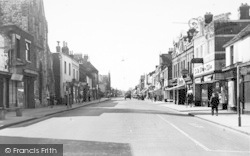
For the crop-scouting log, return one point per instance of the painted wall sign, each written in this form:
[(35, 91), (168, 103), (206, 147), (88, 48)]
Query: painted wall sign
[(202, 69), (208, 78)]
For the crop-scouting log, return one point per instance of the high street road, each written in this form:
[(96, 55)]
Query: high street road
[(129, 127)]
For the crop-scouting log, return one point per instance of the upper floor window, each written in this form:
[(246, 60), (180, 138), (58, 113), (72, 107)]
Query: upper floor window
[(18, 52), (232, 54), (77, 75), (197, 53), (201, 52), (69, 69), (74, 77), (65, 67), (27, 50)]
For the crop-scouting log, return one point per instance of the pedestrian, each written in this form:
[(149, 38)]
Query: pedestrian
[(190, 98), (155, 97), (214, 101)]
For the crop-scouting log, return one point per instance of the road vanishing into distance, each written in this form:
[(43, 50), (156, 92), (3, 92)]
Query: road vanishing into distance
[(129, 128)]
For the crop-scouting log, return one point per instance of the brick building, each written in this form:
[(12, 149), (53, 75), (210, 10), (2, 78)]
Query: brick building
[(29, 17)]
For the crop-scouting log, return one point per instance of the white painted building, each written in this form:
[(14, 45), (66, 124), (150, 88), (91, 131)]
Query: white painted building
[(238, 53), (66, 71)]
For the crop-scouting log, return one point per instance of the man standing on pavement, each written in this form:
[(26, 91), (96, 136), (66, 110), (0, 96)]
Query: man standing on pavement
[(214, 101)]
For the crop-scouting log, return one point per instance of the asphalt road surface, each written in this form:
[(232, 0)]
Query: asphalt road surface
[(129, 127)]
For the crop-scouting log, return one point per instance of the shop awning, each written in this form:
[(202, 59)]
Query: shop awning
[(17, 77), (177, 87)]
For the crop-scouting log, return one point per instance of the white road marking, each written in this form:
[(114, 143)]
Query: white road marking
[(188, 136)]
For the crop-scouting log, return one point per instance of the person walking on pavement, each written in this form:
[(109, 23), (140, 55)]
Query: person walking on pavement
[(214, 101), (190, 98)]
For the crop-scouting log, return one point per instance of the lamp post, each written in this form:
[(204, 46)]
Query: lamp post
[(238, 96)]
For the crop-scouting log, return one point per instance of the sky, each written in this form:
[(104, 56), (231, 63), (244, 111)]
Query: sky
[(126, 37)]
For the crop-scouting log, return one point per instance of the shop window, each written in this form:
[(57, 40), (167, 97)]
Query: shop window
[(27, 50), (12, 93)]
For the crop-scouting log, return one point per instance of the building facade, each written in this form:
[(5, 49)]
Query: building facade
[(66, 71), (237, 54), (182, 69), (29, 16), (214, 32)]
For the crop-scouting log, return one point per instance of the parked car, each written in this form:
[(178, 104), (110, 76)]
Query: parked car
[(127, 96)]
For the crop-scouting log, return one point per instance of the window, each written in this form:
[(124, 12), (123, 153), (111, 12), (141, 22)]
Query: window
[(77, 75), (74, 74), (201, 51), (69, 69), (196, 54), (178, 69), (232, 54), (18, 53), (27, 50), (65, 67)]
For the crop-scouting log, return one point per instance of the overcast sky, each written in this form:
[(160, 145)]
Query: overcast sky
[(125, 37)]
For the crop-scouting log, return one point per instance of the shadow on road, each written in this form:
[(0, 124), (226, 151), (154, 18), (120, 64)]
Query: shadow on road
[(88, 111), (104, 104), (76, 147)]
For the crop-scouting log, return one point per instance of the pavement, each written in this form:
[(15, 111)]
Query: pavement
[(37, 113), (226, 118)]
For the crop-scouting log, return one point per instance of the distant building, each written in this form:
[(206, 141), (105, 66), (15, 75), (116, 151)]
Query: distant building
[(89, 75)]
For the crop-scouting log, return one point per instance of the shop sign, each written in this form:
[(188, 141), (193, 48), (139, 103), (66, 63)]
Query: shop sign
[(197, 80), (180, 81), (208, 78), (208, 67)]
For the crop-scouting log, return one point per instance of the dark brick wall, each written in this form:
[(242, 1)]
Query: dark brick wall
[(233, 27), (57, 76), (220, 41)]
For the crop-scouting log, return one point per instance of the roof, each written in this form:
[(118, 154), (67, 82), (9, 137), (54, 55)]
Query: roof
[(244, 32)]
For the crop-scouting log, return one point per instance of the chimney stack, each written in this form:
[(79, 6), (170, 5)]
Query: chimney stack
[(244, 11), (208, 18), (58, 48), (65, 48), (86, 58)]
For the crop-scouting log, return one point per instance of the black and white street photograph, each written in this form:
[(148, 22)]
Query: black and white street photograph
[(124, 78)]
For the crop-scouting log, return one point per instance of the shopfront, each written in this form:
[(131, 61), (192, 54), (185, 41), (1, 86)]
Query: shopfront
[(16, 91), (206, 85), (179, 92), (4, 87)]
